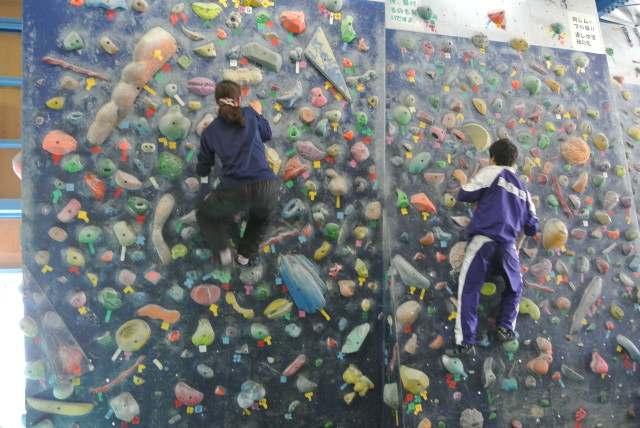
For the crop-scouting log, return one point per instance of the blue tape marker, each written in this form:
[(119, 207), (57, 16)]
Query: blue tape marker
[(283, 379)]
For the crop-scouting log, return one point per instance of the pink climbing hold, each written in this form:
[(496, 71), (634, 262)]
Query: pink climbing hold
[(205, 294), (317, 97), (188, 395)]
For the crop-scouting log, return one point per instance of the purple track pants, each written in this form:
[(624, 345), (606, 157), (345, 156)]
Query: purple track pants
[(484, 255)]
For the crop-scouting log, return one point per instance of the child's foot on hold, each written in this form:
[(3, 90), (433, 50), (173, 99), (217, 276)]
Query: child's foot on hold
[(245, 262), (226, 257), (460, 351), (505, 334)]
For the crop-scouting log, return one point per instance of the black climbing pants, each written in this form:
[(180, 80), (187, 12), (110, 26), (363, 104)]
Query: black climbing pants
[(257, 201)]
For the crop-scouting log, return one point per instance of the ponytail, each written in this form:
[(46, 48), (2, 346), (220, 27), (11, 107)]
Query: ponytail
[(227, 92), (231, 114)]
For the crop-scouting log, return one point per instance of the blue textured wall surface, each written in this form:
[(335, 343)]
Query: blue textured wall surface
[(438, 80), (70, 285)]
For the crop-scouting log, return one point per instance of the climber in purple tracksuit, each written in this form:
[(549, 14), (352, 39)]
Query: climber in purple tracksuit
[(504, 215)]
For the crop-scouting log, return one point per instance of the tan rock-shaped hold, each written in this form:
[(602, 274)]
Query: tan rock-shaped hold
[(306, 115), (373, 210), (434, 177), (575, 151), (407, 313), (337, 184), (554, 234), (347, 287), (413, 380), (424, 423), (411, 346), (519, 44)]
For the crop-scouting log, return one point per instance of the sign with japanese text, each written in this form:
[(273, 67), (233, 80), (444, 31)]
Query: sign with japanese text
[(585, 32)]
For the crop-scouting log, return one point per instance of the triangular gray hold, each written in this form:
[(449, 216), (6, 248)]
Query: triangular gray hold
[(319, 53)]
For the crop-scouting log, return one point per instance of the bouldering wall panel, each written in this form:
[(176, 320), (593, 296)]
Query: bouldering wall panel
[(129, 318), (575, 360)]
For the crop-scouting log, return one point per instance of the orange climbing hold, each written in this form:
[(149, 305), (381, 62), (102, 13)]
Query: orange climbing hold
[(422, 203), (95, 185), (158, 312), (348, 135), (515, 84), (428, 239), (293, 21), (347, 62), (613, 234)]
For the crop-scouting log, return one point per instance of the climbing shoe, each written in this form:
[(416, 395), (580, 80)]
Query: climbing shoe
[(505, 334), (461, 351), (245, 262)]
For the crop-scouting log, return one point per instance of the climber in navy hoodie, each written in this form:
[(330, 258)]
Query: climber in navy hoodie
[(247, 184)]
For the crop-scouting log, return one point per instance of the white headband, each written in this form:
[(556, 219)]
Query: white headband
[(227, 102)]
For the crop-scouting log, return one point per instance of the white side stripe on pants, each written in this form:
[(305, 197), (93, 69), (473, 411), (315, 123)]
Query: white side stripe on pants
[(470, 253)]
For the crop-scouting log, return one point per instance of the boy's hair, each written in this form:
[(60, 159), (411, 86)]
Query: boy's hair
[(503, 152), (228, 90)]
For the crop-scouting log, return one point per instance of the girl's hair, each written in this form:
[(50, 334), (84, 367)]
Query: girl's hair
[(227, 93)]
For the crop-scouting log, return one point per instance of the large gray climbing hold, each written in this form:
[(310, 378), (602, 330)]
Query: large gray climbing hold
[(409, 275), (266, 57), (488, 374), (628, 346), (591, 294)]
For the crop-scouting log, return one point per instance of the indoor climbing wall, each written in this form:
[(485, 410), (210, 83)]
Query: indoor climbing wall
[(575, 361), (129, 320), (621, 46)]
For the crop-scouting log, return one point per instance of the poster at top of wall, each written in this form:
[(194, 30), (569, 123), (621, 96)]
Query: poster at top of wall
[(585, 32)]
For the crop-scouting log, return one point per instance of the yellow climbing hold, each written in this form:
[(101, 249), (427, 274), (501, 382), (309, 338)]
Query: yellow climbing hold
[(555, 86), (480, 105), (488, 289), (528, 307), (56, 103), (479, 136), (206, 10)]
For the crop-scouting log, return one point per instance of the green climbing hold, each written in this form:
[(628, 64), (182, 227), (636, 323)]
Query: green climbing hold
[(293, 133), (346, 28), (419, 163), (262, 17), (510, 346), (361, 118), (434, 101), (407, 43), (402, 200), (106, 168), (262, 291), (543, 141), (533, 84), (321, 127), (73, 165), (525, 138), (170, 165), (552, 200), (332, 231), (402, 115), (138, 205)]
